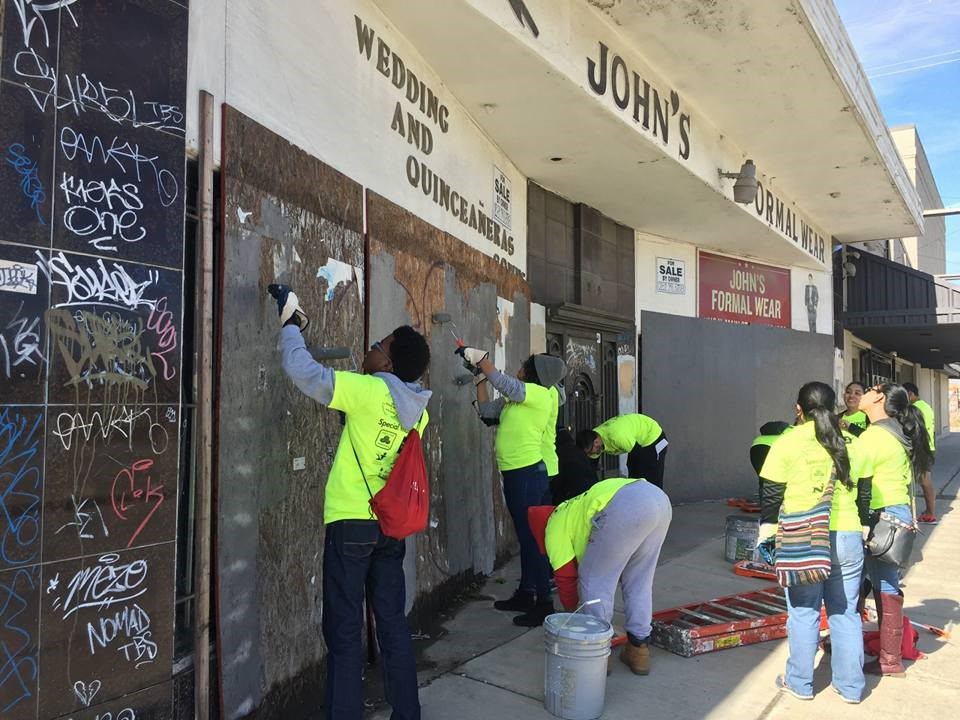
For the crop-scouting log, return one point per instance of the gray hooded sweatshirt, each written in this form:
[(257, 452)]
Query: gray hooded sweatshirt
[(317, 381)]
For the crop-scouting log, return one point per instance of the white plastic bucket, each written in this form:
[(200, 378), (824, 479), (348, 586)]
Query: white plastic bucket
[(740, 538), (575, 665)]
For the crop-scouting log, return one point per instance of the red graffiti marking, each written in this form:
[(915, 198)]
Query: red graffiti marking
[(133, 486), (161, 322)]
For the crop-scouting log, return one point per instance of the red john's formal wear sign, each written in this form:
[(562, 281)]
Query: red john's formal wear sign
[(744, 292)]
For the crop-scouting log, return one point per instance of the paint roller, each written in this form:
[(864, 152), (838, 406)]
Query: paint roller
[(331, 353), (442, 319)]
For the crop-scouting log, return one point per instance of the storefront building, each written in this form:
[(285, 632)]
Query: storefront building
[(536, 175), (898, 311)]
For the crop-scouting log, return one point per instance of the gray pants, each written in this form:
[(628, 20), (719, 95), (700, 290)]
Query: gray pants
[(624, 547)]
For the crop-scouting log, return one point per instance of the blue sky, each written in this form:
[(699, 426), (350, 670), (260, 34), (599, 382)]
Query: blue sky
[(910, 50)]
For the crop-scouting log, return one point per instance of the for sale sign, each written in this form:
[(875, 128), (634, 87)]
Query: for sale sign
[(671, 276), (501, 197)]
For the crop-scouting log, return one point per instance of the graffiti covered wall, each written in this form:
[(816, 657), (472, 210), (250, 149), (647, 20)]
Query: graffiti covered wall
[(91, 261)]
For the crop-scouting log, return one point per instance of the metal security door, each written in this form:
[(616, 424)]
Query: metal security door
[(590, 384)]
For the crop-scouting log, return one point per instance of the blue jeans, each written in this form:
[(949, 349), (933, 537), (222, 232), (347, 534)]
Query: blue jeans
[(840, 593), (359, 561), (883, 575), (524, 488)]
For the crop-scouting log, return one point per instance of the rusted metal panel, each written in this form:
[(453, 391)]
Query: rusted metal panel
[(288, 218), (416, 271), (404, 231)]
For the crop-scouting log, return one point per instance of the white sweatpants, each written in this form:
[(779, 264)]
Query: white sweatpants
[(624, 547)]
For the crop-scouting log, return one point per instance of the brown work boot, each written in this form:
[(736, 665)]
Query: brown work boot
[(637, 658)]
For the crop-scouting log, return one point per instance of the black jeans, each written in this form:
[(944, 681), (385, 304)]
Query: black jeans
[(359, 561), (524, 488), (644, 462)]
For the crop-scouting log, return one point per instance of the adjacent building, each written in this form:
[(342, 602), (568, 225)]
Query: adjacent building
[(897, 311)]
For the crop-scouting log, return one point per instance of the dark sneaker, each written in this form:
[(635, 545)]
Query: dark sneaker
[(783, 687), (535, 617), (518, 602)]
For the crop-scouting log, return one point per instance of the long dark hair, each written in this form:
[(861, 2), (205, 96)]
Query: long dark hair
[(816, 401), (897, 405)]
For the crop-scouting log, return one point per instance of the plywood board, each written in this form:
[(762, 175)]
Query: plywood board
[(287, 218)]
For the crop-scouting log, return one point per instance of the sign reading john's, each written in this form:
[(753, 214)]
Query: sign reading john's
[(642, 101), (743, 292)]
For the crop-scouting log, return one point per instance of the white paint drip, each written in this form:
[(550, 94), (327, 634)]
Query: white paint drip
[(284, 260)]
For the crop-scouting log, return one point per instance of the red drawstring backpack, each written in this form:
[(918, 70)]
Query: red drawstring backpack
[(402, 507)]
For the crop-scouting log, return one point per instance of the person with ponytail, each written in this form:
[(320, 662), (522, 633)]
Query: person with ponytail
[(893, 450), (794, 476)]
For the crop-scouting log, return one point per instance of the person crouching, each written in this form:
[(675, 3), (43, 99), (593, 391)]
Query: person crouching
[(609, 535)]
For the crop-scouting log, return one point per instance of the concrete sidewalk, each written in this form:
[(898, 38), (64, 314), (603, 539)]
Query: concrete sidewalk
[(479, 666)]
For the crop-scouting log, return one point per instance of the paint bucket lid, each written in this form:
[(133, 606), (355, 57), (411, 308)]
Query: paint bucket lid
[(578, 626)]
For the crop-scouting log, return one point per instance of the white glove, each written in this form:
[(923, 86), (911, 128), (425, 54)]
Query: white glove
[(473, 355), (766, 531), (288, 306)]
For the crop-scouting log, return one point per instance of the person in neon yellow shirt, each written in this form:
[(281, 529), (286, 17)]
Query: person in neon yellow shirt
[(893, 451), (794, 476), (609, 535), (524, 415), (926, 481), (380, 405), (640, 436), (853, 419)]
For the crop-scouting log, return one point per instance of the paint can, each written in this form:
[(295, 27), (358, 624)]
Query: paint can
[(575, 665), (740, 538)]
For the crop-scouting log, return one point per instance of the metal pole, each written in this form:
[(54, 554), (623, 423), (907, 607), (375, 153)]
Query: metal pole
[(940, 212), (204, 433)]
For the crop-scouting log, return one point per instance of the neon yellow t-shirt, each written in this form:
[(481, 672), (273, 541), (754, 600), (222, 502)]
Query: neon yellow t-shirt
[(519, 440), (798, 461), (549, 444), (375, 431), (859, 418), (928, 422), (885, 460), (767, 440), (569, 526), (620, 434)]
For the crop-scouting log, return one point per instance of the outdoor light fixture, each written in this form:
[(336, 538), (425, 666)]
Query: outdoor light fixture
[(849, 269), (745, 187)]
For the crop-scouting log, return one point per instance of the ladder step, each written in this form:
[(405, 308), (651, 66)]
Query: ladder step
[(738, 612)]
